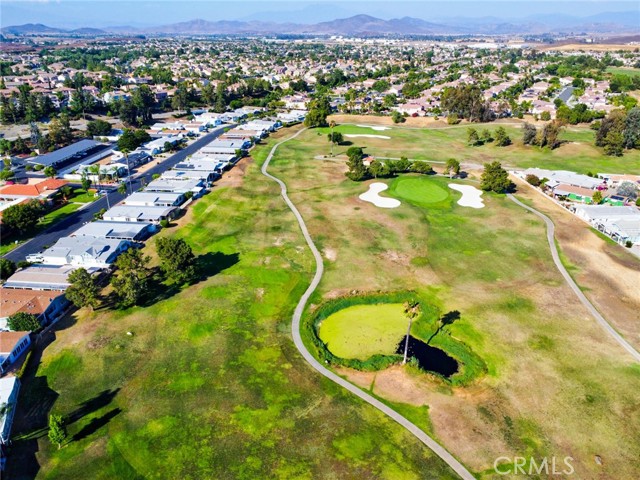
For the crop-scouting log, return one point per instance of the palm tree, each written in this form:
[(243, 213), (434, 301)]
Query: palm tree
[(411, 311), (125, 152), (122, 188)]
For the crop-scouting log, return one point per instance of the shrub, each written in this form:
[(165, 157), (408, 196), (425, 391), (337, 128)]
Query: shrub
[(23, 322), (453, 119), (628, 244), (164, 223), (533, 180)]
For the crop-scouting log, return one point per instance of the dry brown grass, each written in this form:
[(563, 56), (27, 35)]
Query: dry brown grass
[(556, 384), (609, 274)]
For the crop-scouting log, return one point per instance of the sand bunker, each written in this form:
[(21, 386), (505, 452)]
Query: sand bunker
[(384, 137), (372, 196), (470, 195), (374, 127)]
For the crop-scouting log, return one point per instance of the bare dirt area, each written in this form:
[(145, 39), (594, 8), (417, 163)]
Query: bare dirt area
[(609, 274), (235, 176)]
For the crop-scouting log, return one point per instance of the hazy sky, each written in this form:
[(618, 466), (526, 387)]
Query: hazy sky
[(97, 13)]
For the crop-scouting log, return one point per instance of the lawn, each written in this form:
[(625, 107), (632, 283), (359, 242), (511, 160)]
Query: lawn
[(419, 190), (79, 198), (208, 384), (634, 72), (361, 331), (554, 383), (577, 153)]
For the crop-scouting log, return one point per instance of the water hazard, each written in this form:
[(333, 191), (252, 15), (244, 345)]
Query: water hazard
[(429, 358)]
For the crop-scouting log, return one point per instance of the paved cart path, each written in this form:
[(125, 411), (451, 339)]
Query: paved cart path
[(576, 289), (297, 339)]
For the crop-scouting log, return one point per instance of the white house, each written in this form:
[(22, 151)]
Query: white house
[(154, 199), (9, 388), (82, 252), (132, 213)]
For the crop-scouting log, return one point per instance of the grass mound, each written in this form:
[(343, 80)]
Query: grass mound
[(419, 190), (361, 331)]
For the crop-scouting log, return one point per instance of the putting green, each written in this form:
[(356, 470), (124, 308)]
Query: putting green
[(361, 331), (419, 190)]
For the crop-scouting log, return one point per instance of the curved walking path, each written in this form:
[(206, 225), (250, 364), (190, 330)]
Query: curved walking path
[(574, 286), (297, 339)]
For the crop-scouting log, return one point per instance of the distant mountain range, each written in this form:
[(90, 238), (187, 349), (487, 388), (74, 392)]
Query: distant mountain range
[(366, 25)]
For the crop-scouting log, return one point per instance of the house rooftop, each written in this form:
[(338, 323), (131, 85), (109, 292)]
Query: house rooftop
[(43, 188), (8, 340), (114, 230), (65, 153), (13, 301), (40, 277)]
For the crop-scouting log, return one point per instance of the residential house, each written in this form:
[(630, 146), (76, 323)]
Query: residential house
[(170, 185), (9, 389), (133, 232), (12, 346), (131, 213), (83, 251), (144, 199), (41, 277), (47, 305)]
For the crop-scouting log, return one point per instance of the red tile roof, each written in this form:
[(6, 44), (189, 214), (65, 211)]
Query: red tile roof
[(48, 185)]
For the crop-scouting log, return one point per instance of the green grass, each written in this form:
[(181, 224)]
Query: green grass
[(210, 385), (47, 221), (634, 72), (82, 196), (578, 152), (361, 331), (57, 215), (419, 190)]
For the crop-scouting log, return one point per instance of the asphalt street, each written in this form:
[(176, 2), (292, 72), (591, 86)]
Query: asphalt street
[(70, 224)]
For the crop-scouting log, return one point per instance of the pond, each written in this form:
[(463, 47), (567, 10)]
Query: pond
[(429, 358)]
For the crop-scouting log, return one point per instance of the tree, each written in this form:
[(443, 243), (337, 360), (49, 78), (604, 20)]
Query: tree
[(84, 290), (143, 100), (60, 130), (98, 128), (632, 129), (533, 180), (611, 134), (445, 320), (66, 192), (132, 139), (411, 311), (397, 117), (7, 268), (486, 136), (529, 134), (628, 189), (546, 116), (472, 137), (496, 179), (336, 138), (318, 111), (549, 135), (131, 280), (85, 182), (614, 144), (6, 174), (57, 430), (176, 259), (419, 166), (122, 188), (502, 139), (23, 322), (22, 217), (357, 170), (452, 167), (466, 102), (50, 171), (596, 198), (376, 169)]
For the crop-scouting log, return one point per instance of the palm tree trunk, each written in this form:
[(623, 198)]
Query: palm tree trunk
[(406, 344)]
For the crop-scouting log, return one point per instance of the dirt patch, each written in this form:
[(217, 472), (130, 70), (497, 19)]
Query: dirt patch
[(330, 254), (235, 177), (395, 257)]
